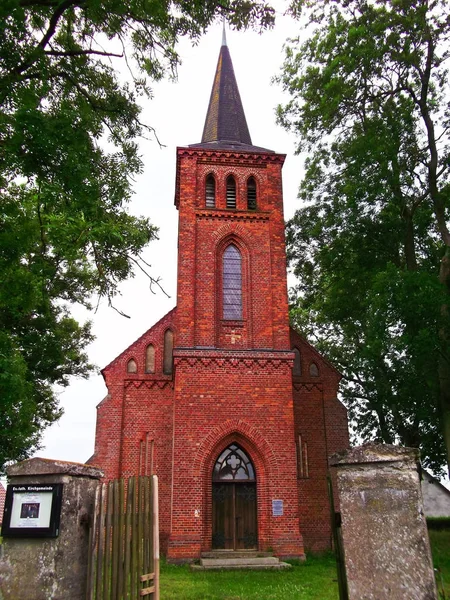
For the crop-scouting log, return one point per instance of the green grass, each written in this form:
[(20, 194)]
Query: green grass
[(314, 579), (440, 548)]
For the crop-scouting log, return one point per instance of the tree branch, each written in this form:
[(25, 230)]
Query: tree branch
[(81, 53)]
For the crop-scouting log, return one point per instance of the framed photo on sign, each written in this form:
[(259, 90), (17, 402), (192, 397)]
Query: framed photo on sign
[(32, 510)]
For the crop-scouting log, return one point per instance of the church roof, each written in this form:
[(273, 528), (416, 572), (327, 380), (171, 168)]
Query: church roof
[(225, 124)]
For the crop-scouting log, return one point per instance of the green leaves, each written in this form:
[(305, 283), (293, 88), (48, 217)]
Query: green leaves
[(69, 132), (365, 248)]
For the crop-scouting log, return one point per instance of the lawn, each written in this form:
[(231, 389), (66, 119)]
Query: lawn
[(440, 547), (314, 579)]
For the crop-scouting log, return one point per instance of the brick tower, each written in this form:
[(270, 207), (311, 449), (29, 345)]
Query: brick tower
[(242, 410)]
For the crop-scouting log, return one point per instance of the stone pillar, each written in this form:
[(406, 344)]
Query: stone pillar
[(51, 568), (385, 538)]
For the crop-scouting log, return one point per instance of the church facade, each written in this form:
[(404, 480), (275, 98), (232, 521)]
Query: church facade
[(242, 411)]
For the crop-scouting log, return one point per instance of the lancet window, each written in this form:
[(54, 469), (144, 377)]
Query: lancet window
[(168, 352), (150, 359), (232, 283)]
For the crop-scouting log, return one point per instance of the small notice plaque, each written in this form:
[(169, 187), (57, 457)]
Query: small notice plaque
[(32, 510), (277, 508)]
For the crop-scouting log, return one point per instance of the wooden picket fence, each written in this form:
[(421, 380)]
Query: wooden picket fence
[(124, 541)]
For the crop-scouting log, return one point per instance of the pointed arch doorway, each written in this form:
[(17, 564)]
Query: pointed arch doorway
[(234, 523)]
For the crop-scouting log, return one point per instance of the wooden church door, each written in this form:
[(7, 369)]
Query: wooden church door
[(234, 501)]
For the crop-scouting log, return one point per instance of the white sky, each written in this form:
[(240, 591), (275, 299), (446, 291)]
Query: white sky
[(177, 112)]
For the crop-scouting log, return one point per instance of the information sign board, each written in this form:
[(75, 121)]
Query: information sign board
[(32, 510)]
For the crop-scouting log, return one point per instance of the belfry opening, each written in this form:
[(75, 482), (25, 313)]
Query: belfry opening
[(224, 364)]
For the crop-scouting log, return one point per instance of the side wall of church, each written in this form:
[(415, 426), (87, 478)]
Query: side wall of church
[(321, 430), (137, 410)]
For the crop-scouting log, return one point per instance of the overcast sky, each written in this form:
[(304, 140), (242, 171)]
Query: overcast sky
[(177, 112)]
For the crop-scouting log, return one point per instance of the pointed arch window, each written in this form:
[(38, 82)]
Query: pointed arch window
[(232, 283), (231, 192), (131, 366), (297, 370), (150, 359), (251, 193), (313, 370), (168, 352), (233, 464), (210, 192)]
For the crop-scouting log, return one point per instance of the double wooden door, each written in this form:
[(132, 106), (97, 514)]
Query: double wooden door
[(234, 515)]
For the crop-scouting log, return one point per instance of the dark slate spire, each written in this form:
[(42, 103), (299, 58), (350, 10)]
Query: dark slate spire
[(225, 124), (225, 120)]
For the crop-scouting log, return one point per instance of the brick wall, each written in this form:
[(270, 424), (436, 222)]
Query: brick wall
[(232, 380)]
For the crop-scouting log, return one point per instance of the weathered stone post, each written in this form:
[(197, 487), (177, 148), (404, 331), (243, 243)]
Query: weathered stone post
[(51, 568), (384, 532)]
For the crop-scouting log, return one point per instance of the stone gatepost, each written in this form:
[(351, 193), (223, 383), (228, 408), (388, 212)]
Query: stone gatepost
[(52, 568), (386, 548)]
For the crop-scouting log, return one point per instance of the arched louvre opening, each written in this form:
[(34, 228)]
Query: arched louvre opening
[(168, 352), (251, 193), (150, 359), (210, 192), (231, 192), (232, 283), (234, 500)]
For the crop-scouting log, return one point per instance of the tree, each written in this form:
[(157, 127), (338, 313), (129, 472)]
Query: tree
[(69, 130), (369, 102)]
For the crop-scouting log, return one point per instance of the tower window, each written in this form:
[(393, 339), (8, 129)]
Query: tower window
[(168, 352), (232, 283), (150, 359), (251, 193), (210, 192), (231, 192)]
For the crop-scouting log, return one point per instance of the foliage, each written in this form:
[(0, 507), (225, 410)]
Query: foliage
[(69, 128), (368, 101)]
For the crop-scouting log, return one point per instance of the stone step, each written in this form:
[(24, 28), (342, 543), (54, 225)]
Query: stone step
[(229, 561), (235, 554), (217, 562)]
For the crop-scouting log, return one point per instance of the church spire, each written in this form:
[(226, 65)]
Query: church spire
[(225, 119)]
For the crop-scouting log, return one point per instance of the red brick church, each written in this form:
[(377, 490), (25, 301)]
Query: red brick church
[(242, 410)]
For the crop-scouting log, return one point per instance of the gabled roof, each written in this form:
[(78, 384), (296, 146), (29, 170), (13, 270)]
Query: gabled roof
[(225, 124)]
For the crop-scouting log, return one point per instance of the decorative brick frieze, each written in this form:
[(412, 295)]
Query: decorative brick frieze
[(236, 216), (149, 384), (308, 386)]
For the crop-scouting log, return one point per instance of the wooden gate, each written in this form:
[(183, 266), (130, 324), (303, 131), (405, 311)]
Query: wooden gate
[(124, 541)]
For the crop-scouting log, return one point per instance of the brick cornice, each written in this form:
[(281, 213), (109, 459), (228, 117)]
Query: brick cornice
[(259, 359), (148, 383), (308, 385), (239, 156), (231, 216)]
